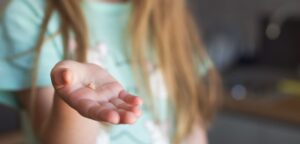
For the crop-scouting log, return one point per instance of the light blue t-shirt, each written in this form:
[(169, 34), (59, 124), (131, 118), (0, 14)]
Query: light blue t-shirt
[(108, 23), (19, 30)]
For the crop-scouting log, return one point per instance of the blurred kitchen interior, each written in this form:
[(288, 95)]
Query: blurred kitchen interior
[(256, 46)]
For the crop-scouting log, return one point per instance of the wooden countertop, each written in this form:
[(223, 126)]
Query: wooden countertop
[(284, 109)]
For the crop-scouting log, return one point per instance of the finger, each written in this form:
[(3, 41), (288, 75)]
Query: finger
[(120, 104), (133, 100), (62, 77), (105, 112), (126, 117), (108, 113)]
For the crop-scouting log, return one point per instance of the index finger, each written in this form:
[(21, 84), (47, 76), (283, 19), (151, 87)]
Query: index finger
[(130, 99)]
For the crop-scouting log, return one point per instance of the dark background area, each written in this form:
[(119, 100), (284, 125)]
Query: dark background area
[(8, 120), (256, 46)]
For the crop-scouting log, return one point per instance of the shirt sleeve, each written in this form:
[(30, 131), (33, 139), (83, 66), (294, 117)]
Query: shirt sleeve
[(19, 31)]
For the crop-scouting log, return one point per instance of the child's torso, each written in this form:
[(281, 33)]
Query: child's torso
[(108, 39)]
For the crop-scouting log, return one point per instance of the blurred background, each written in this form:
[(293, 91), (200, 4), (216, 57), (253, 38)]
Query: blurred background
[(256, 46)]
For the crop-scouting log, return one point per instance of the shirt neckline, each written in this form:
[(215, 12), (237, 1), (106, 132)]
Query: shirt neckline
[(108, 7)]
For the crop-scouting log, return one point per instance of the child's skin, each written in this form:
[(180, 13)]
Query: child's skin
[(81, 92), (95, 94), (91, 91), (83, 95)]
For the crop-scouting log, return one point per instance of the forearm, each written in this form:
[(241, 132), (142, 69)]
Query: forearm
[(198, 136), (65, 126)]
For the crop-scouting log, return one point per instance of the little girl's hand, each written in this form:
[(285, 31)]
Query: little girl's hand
[(94, 93)]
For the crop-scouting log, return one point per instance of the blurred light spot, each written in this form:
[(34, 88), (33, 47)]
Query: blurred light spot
[(239, 92), (273, 31)]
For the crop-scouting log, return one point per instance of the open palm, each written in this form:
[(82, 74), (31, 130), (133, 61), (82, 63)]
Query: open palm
[(94, 93)]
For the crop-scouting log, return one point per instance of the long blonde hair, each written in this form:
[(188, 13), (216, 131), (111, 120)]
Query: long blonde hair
[(168, 27)]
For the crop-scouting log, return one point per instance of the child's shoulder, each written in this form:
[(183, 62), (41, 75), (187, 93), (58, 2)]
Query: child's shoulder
[(25, 4), (20, 18), (17, 10)]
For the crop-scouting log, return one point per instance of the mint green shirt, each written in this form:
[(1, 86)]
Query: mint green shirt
[(19, 30)]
